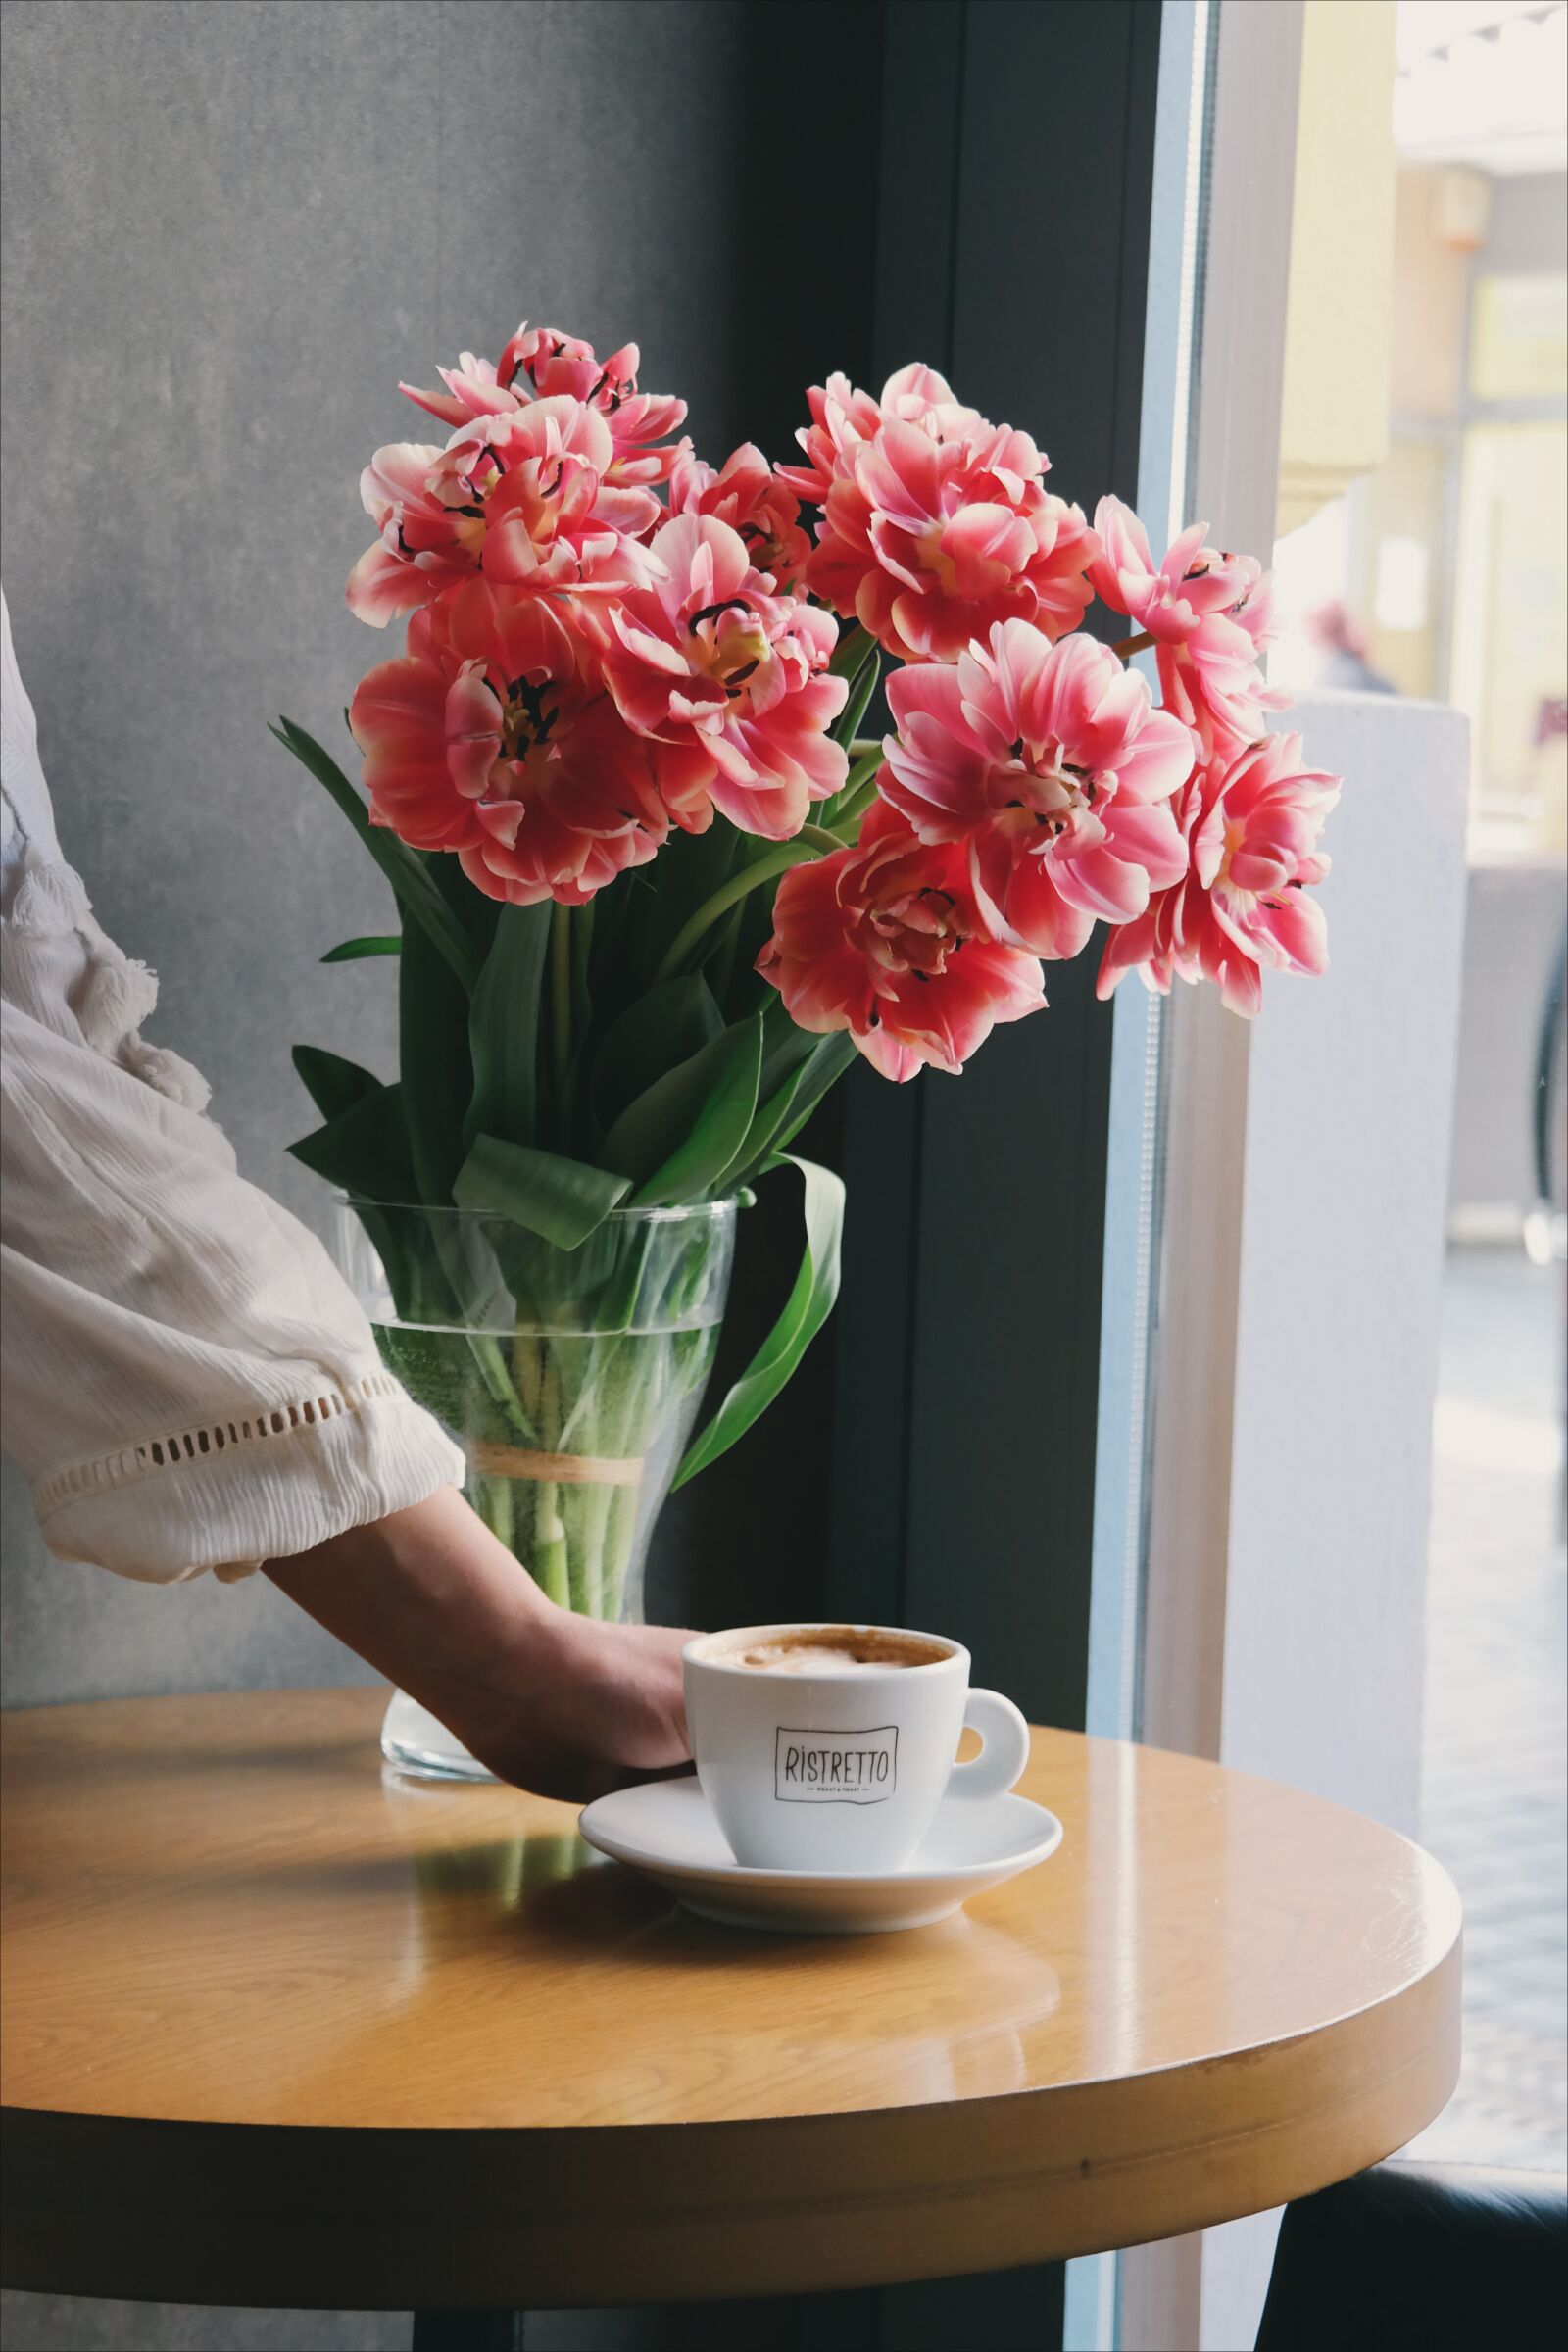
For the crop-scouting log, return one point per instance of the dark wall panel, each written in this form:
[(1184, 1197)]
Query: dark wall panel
[(969, 1333)]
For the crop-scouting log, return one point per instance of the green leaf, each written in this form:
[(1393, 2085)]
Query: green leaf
[(674, 1020), (785, 1112), (691, 867), (416, 894), (364, 1149), (849, 652), (560, 1200), (332, 1084), (785, 1045), (366, 1157), (504, 1028), (862, 686), (476, 915), (680, 1135), (842, 814), (809, 1303), (433, 1063), (582, 957), (355, 950)]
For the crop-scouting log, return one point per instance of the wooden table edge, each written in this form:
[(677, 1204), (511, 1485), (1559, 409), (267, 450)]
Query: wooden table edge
[(563, 2216)]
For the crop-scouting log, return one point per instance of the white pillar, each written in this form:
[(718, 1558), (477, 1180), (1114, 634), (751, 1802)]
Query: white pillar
[(1298, 1578)]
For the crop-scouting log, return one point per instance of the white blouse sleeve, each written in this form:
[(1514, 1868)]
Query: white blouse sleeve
[(185, 1380)]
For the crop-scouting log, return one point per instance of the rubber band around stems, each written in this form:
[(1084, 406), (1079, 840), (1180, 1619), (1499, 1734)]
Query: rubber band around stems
[(557, 1469)]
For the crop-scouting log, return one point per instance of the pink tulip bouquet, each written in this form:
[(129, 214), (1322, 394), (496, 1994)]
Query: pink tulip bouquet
[(658, 891)]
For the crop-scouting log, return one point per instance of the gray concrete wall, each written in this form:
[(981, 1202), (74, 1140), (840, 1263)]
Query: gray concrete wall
[(229, 227)]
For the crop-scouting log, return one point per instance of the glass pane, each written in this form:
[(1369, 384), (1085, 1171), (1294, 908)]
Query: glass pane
[(1519, 347), (1510, 621), (1134, 1176), (1135, 1161), (1435, 569)]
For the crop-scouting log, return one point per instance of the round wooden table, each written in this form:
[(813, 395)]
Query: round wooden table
[(279, 2029)]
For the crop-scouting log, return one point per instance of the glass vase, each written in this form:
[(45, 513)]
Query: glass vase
[(570, 1378)]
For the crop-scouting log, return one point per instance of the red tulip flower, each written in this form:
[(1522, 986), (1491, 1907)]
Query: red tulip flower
[(493, 737), (539, 362), (1251, 824), (1053, 769), (753, 499), (1208, 614), (730, 679), (526, 497), (936, 523), (885, 940)]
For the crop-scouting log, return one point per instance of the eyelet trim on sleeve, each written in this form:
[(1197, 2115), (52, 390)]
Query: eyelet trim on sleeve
[(172, 1453)]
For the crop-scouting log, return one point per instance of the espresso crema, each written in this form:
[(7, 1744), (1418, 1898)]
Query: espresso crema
[(833, 1649)]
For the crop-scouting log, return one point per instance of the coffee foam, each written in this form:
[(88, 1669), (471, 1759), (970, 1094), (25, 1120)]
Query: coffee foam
[(832, 1649), (808, 1658)]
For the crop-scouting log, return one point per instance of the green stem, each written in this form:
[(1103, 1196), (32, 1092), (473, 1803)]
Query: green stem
[(724, 961), (528, 1373), (730, 894), (621, 1526), (853, 797), (820, 838), (551, 1563), (492, 1500), (560, 1001), (854, 809), (849, 652), (582, 940), (491, 1364), (594, 1504)]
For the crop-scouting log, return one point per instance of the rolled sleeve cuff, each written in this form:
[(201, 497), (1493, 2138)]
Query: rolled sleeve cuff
[(244, 1492)]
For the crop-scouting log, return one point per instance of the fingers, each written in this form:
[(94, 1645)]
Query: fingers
[(573, 1775)]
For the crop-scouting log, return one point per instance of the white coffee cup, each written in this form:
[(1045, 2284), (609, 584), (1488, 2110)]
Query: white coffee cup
[(815, 1757)]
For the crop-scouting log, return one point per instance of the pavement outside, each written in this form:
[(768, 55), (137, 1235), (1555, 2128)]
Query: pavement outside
[(1494, 1796)]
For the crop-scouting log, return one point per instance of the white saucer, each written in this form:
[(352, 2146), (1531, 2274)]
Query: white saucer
[(664, 1828)]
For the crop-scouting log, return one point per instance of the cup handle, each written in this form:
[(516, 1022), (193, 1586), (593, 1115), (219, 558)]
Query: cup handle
[(1005, 1749)]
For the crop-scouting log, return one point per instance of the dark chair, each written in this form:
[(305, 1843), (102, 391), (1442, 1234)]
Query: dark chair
[(1429, 2257), (1547, 1093)]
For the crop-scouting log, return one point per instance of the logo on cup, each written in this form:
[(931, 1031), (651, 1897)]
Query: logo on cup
[(836, 1768)]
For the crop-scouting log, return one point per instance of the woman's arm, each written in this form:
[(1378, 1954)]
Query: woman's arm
[(188, 1385), (561, 1705)]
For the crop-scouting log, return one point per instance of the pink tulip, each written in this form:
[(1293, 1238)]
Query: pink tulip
[(931, 542), (754, 500), (426, 544), (1251, 822), (730, 680), (842, 417), (524, 496), (885, 940), (493, 737), (1051, 766), (936, 523), (1208, 614), (540, 362)]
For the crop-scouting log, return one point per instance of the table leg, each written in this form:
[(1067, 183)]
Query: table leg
[(468, 2332)]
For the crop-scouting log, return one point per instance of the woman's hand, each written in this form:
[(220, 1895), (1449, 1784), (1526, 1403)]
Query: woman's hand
[(577, 1707), (561, 1705)]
